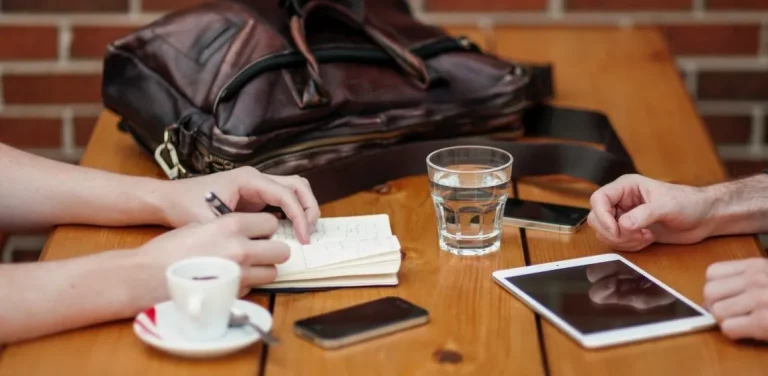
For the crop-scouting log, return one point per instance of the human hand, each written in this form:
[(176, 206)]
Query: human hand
[(634, 211), (240, 237), (613, 283), (736, 293), (242, 189)]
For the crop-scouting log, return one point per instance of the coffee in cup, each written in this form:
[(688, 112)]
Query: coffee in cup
[(203, 290)]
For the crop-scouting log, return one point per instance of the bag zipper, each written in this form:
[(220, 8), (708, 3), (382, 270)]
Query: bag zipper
[(296, 59), (215, 163)]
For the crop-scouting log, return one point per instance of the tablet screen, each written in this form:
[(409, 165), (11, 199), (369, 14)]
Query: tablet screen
[(602, 296)]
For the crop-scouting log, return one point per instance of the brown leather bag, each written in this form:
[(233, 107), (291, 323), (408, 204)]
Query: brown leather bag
[(349, 94)]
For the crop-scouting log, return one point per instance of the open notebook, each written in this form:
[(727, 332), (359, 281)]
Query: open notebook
[(343, 252)]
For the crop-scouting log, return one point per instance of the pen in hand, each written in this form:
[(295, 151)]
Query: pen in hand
[(217, 206)]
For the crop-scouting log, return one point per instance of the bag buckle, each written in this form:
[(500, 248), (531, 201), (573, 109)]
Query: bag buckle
[(170, 165)]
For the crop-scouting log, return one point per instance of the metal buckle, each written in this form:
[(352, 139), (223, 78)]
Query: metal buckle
[(174, 170)]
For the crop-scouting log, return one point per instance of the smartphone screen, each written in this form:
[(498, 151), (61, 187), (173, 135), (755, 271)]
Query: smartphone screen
[(561, 215), (361, 318)]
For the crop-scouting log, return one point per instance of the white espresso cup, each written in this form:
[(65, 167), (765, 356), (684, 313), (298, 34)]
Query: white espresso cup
[(203, 289)]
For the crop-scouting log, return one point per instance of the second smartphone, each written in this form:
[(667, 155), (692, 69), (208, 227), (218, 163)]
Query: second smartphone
[(361, 322), (544, 216)]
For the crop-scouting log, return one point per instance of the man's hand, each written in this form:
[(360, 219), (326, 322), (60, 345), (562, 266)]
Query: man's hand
[(634, 211), (240, 237), (243, 189), (736, 293)]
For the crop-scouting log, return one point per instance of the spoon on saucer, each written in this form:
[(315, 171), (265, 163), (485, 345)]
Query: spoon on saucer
[(238, 318)]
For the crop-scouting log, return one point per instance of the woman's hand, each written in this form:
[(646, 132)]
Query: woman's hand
[(244, 190), (240, 237)]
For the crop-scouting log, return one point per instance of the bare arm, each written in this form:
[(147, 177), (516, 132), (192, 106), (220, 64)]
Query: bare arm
[(42, 298), (740, 206), (38, 193), (48, 297)]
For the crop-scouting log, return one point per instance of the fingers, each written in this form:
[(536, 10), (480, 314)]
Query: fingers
[(631, 242), (738, 327), (610, 203), (736, 293), (599, 227), (602, 216), (265, 252), (276, 194), (304, 192), (640, 217), (723, 288), (725, 269), (248, 225), (258, 275), (738, 305)]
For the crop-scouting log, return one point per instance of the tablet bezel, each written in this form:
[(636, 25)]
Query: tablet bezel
[(610, 337)]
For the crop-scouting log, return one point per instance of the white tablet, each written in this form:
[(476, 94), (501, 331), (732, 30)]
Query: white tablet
[(603, 300)]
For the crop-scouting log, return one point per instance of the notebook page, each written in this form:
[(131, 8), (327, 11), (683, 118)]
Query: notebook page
[(334, 229), (337, 239), (324, 254)]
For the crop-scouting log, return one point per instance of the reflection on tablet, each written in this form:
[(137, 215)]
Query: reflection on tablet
[(603, 296)]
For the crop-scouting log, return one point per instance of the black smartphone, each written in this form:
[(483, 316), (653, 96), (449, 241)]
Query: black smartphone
[(361, 322), (544, 216)]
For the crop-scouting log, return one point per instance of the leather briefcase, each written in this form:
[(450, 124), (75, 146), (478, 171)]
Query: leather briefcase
[(349, 94)]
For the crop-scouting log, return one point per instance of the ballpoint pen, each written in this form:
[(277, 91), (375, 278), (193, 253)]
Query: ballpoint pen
[(216, 205), (220, 208)]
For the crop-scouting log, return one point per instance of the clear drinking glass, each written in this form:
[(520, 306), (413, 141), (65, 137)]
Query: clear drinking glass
[(469, 186)]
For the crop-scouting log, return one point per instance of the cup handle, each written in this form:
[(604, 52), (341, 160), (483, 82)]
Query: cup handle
[(195, 306)]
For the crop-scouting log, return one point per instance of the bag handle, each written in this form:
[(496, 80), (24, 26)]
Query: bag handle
[(333, 181), (315, 92)]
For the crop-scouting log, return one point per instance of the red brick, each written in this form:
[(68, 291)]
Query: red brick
[(28, 42), (56, 6), (484, 5), (593, 5), (61, 89), (83, 129), (165, 5), (712, 39), (92, 41), (738, 168), (30, 133), (737, 4), (729, 129), (733, 85)]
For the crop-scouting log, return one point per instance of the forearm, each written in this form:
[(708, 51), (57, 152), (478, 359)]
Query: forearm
[(37, 193), (739, 207), (39, 299)]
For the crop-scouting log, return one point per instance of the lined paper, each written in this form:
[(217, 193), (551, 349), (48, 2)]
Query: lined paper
[(336, 240)]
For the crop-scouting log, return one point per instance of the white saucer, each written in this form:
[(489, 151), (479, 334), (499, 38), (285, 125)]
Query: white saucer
[(157, 327)]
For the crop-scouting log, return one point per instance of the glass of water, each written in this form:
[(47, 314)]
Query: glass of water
[(469, 186)]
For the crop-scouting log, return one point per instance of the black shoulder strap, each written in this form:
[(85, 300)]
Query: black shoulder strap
[(366, 170)]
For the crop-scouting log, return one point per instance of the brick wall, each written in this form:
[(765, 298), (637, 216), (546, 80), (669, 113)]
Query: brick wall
[(50, 55)]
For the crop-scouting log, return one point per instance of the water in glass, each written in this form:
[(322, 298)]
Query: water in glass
[(469, 187)]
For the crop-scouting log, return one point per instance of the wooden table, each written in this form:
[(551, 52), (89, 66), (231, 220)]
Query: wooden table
[(477, 328)]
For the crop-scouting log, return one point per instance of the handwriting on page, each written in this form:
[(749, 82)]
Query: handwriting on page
[(339, 229), (322, 254)]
